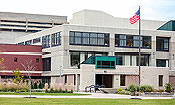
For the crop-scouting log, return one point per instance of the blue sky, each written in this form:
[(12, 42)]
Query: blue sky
[(150, 9)]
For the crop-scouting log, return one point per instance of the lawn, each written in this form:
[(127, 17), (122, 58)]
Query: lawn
[(60, 101), (35, 93)]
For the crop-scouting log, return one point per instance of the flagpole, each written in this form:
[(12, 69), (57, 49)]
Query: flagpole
[(139, 49)]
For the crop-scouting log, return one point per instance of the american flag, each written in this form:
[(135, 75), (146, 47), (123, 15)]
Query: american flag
[(135, 17)]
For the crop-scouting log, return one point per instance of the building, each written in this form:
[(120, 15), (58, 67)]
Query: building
[(27, 59), (13, 25), (97, 48)]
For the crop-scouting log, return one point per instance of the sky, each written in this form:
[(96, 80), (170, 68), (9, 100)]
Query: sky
[(150, 9)]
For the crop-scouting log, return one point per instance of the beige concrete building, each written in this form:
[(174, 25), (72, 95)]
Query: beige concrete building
[(13, 25), (99, 49)]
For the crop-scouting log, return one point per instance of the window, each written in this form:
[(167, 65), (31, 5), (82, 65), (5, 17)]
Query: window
[(29, 42), (78, 57), (15, 59), (74, 79), (65, 81), (162, 63), (106, 64), (21, 43), (122, 80), (75, 58), (36, 40), (46, 41), (37, 60), (162, 44), (160, 80), (89, 38), (132, 60), (46, 64), (56, 39), (132, 41)]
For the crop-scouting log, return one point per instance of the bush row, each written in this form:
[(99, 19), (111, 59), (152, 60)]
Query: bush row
[(58, 91), (12, 87)]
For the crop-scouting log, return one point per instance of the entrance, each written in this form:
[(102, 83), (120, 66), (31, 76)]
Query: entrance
[(104, 79)]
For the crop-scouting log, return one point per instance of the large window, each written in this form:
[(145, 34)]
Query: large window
[(89, 38), (162, 44), (132, 60), (77, 57), (56, 39), (132, 41), (162, 62), (46, 41)]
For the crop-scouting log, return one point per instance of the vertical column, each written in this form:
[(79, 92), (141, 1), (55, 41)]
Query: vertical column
[(116, 81)]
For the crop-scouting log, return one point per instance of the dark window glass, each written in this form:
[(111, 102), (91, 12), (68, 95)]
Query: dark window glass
[(22, 43), (46, 64), (89, 38), (46, 41), (74, 79), (29, 42), (15, 59), (132, 41), (36, 40), (122, 80), (56, 39), (160, 80), (75, 58), (162, 63), (65, 81), (144, 60), (162, 44), (37, 60)]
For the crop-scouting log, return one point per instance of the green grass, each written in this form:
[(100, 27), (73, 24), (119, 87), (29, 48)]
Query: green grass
[(35, 93), (60, 101)]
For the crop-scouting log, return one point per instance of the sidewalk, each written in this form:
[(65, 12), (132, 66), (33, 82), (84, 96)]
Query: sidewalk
[(93, 95)]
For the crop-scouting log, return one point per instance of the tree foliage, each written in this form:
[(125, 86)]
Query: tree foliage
[(18, 78)]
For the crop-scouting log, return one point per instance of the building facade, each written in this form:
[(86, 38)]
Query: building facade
[(99, 49), (13, 25), (27, 59)]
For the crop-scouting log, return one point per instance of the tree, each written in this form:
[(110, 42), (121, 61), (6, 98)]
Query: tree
[(29, 66), (35, 85), (40, 85), (18, 78)]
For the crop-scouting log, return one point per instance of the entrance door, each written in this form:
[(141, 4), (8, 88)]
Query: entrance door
[(104, 79)]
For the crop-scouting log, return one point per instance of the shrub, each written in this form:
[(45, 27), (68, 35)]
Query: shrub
[(155, 90), (56, 91), (146, 88), (119, 89), (40, 86), (133, 87), (51, 90), (168, 87), (35, 86), (12, 87), (124, 92), (60, 90), (46, 91), (32, 87), (161, 90), (71, 91)]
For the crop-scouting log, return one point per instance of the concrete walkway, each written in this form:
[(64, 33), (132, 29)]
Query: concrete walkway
[(93, 95)]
